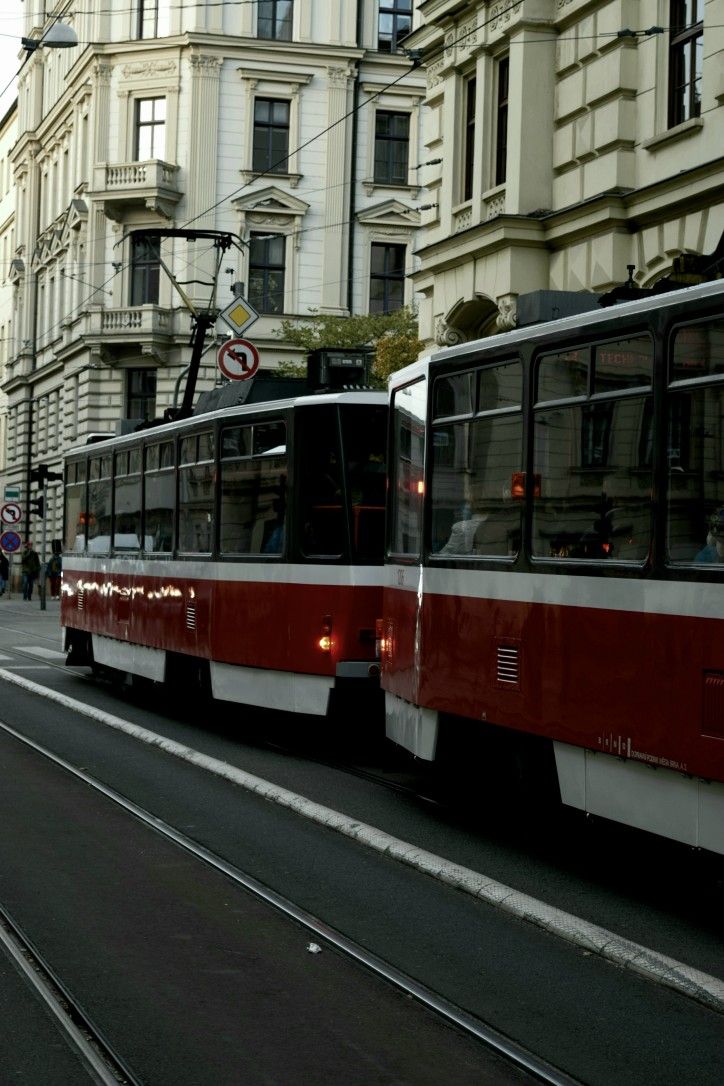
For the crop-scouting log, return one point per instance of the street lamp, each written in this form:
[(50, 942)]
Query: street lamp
[(58, 36)]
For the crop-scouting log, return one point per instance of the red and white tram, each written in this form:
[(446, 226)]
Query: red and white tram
[(242, 548), (555, 576)]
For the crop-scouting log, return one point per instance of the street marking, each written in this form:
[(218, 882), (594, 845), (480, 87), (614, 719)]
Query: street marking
[(660, 968)]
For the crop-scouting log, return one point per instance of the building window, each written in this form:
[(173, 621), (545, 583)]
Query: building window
[(395, 23), (392, 142), (145, 271), (686, 50), (501, 122), (153, 18), (140, 394), (150, 129), (271, 135), (387, 278), (469, 160), (266, 272), (275, 20)]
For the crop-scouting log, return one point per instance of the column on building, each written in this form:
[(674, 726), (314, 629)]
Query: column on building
[(339, 181)]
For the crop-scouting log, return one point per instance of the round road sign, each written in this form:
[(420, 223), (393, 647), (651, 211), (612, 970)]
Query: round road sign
[(238, 359), (11, 513), (10, 541)]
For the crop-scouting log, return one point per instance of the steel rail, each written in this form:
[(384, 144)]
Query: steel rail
[(516, 1054)]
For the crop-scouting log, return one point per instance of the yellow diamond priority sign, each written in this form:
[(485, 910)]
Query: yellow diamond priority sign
[(239, 314)]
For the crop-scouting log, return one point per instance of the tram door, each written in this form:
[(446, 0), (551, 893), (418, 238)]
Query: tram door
[(403, 593)]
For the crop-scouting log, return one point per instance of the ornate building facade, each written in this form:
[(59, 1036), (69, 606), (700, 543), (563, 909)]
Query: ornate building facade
[(292, 123), (569, 142)]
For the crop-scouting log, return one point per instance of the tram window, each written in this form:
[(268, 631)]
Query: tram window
[(253, 496), (473, 509), (127, 513), (454, 395), (195, 508), (595, 495), (623, 363), (695, 503), (500, 386), (121, 463), (236, 441), (75, 512), (99, 505), (364, 457), (269, 436), (563, 375), (320, 483), (158, 511), (698, 351), (206, 446), (167, 456), (152, 457), (188, 450), (407, 465), (134, 461)]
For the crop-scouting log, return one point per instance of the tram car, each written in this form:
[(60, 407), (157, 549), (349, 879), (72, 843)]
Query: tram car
[(554, 589), (240, 549)]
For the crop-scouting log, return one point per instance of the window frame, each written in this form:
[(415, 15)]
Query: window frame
[(276, 20), (152, 126), (399, 11), (386, 277), (683, 102), (385, 146), (272, 164), (260, 302)]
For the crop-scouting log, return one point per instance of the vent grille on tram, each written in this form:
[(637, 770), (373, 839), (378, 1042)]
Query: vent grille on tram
[(508, 671), (190, 618)]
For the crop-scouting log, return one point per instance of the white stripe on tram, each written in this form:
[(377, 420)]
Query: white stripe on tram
[(228, 572)]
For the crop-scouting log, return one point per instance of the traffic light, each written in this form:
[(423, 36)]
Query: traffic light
[(42, 475), (37, 506)]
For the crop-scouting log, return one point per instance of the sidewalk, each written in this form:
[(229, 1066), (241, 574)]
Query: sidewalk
[(28, 616)]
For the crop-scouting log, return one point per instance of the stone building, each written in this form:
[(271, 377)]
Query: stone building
[(568, 140), (292, 123), (8, 342)]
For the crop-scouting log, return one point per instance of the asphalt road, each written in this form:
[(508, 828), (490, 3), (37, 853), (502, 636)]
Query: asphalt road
[(597, 1022)]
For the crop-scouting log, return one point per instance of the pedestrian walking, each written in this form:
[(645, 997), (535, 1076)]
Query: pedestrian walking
[(53, 571), (30, 566), (4, 572)]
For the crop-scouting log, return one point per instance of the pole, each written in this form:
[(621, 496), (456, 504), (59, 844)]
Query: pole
[(43, 545), (204, 321)]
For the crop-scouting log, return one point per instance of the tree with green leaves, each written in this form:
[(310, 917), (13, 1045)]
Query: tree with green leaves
[(393, 338)]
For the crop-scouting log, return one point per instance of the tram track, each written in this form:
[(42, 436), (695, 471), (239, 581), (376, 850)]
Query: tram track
[(513, 1053), (104, 1064)]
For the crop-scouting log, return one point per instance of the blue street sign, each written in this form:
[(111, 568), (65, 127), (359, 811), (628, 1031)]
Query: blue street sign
[(10, 541)]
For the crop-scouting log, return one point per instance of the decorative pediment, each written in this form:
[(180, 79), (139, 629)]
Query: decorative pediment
[(77, 214), (17, 271), (390, 213), (270, 206)]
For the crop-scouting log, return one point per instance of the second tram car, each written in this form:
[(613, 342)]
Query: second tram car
[(242, 548), (555, 576)]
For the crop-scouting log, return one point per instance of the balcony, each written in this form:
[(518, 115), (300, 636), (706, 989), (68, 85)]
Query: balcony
[(124, 186), (112, 334)]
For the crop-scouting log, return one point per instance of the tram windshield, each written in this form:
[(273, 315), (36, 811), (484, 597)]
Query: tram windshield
[(342, 481)]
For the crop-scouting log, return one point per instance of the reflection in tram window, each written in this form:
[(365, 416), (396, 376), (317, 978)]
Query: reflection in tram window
[(253, 490), (98, 527), (75, 507), (595, 500), (196, 495), (407, 463), (364, 446), (696, 477), (474, 509), (322, 515), (159, 501)]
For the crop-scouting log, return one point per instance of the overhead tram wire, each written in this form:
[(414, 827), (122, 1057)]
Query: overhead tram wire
[(415, 64)]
